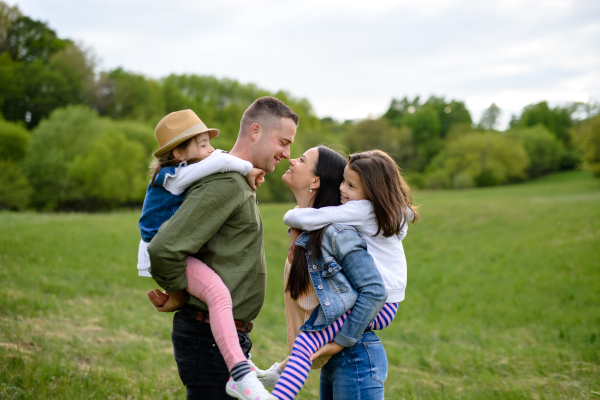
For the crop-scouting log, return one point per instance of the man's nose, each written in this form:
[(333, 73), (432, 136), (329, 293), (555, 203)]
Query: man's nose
[(285, 153)]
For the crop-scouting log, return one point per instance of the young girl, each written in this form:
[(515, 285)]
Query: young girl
[(378, 203), (185, 156)]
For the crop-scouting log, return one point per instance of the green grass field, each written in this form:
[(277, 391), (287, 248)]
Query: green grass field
[(503, 301)]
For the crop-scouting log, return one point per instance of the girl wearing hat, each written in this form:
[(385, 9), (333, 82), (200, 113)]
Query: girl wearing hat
[(185, 156)]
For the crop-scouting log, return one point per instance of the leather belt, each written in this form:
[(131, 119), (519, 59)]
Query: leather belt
[(239, 325)]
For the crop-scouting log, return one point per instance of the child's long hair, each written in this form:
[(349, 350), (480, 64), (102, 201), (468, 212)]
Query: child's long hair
[(388, 192), (169, 160), (330, 170)]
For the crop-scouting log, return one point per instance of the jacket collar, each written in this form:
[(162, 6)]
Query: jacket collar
[(302, 239)]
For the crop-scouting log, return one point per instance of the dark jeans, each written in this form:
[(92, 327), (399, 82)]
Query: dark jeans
[(201, 366)]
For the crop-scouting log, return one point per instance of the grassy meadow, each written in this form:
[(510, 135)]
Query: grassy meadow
[(503, 301)]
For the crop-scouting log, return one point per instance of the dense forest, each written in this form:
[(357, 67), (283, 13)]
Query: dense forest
[(73, 137)]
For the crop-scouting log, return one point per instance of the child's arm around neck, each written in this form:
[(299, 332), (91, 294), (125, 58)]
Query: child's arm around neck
[(218, 162), (354, 213)]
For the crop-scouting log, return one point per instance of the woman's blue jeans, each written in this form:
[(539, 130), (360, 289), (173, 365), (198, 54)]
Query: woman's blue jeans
[(356, 372)]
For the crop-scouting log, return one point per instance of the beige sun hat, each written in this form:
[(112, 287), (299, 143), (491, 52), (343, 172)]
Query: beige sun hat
[(178, 127)]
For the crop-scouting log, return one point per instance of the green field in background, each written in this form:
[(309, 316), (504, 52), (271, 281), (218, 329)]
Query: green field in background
[(503, 301)]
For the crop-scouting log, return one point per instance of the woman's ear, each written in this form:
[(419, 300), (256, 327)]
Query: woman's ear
[(316, 183)]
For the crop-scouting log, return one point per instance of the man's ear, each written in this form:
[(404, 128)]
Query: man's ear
[(316, 183), (255, 131)]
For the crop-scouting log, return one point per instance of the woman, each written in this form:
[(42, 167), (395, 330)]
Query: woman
[(342, 274)]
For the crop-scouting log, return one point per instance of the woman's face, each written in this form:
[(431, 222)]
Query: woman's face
[(300, 175)]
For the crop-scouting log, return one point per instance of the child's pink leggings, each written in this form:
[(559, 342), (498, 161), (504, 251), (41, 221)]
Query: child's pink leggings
[(206, 285)]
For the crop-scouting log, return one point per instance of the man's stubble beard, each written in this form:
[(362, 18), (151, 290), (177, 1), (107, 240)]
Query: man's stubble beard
[(261, 158)]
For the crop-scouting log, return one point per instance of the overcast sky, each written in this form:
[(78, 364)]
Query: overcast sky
[(351, 58)]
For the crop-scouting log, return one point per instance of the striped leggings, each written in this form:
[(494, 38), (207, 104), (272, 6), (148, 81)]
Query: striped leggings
[(307, 343)]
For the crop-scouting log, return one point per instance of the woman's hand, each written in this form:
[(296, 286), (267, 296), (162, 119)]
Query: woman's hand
[(329, 349)]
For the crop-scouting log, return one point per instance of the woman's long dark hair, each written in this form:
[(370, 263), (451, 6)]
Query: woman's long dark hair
[(330, 170)]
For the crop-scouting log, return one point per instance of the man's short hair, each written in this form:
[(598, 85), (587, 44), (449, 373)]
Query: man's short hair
[(267, 111)]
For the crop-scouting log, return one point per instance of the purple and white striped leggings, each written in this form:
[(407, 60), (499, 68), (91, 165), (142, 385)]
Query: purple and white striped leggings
[(307, 343)]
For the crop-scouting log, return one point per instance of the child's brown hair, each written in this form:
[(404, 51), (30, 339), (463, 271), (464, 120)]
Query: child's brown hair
[(388, 192), (169, 159)]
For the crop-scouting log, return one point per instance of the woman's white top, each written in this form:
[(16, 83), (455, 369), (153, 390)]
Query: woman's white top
[(387, 253)]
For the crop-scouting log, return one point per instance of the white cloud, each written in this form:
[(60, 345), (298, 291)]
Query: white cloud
[(349, 57)]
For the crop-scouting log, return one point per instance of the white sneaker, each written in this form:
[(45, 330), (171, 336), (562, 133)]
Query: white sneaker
[(259, 372), (271, 376), (248, 388)]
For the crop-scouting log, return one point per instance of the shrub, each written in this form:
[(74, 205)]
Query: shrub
[(543, 149), (587, 138), (14, 186), (15, 190), (79, 160), (113, 171), (414, 179), (484, 159), (437, 179), (14, 141), (67, 133)]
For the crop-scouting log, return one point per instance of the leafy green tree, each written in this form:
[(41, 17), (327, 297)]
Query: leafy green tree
[(112, 171), (40, 71), (124, 95), (66, 134), (586, 136), (543, 149), (489, 119), (478, 159), (9, 84), (29, 40), (379, 134), (449, 113), (15, 189), (557, 120), (139, 132), (14, 141), (8, 15), (14, 186), (429, 123)]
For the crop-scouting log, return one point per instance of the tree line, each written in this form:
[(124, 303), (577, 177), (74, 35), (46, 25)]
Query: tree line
[(76, 138)]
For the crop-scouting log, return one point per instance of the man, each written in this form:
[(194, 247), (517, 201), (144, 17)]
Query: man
[(219, 223)]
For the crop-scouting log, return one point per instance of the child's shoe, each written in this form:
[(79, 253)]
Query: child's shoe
[(270, 376), (249, 388), (259, 372)]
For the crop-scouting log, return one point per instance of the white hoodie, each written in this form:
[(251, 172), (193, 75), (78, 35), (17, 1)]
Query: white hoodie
[(387, 253)]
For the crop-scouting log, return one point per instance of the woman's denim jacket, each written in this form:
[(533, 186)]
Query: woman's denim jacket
[(344, 277)]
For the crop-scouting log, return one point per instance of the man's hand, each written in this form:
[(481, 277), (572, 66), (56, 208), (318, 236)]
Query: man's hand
[(255, 178), (329, 349), (162, 301)]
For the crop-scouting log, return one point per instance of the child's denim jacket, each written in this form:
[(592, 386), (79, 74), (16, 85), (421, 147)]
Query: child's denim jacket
[(344, 277), (159, 204)]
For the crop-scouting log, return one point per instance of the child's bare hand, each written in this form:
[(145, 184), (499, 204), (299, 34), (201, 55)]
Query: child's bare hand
[(157, 297), (162, 301), (255, 178)]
